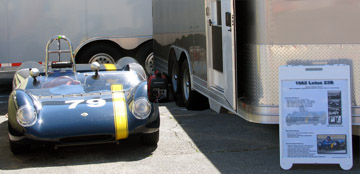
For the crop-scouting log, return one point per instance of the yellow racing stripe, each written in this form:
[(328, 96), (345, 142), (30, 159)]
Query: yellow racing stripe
[(120, 112), (110, 67)]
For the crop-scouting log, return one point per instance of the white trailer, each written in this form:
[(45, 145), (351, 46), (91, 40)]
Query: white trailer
[(230, 50), (101, 30)]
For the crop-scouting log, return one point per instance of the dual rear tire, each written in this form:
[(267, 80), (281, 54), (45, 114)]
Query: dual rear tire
[(183, 94), (191, 98)]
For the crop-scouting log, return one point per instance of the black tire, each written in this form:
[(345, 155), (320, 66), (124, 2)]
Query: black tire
[(102, 53), (145, 57), (174, 74), (150, 139), (192, 99), (17, 148)]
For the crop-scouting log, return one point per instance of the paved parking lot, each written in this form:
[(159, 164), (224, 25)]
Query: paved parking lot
[(190, 142)]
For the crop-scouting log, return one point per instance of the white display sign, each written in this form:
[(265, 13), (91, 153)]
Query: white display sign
[(315, 115)]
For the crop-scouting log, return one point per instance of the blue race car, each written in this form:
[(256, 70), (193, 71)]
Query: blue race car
[(62, 103), (331, 144)]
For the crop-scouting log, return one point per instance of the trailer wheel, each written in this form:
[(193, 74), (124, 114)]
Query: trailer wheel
[(192, 99), (174, 75), (146, 58), (102, 53)]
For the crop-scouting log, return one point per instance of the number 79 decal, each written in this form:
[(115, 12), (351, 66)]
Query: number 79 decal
[(94, 103)]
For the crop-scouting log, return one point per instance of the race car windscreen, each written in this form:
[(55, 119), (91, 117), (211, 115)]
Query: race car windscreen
[(104, 81), (84, 83)]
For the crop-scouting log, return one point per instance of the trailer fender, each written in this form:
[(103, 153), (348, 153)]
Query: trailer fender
[(125, 43)]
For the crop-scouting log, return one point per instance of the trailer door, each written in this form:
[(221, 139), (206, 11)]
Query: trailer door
[(220, 47)]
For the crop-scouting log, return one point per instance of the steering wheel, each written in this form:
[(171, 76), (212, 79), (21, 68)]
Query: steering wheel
[(61, 80)]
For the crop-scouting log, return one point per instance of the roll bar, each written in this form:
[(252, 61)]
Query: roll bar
[(59, 52)]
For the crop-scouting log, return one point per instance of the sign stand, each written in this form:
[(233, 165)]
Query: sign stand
[(315, 115)]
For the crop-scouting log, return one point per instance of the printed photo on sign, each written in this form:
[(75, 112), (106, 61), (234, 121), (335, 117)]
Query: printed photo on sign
[(334, 107), (303, 116), (331, 144)]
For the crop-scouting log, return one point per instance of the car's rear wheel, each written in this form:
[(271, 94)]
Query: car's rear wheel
[(17, 148), (150, 139)]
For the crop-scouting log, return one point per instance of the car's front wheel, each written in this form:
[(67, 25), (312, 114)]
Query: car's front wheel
[(17, 148), (150, 139)]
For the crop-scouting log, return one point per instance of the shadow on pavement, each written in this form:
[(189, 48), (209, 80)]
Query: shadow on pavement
[(234, 145), (45, 156), (3, 110), (5, 90)]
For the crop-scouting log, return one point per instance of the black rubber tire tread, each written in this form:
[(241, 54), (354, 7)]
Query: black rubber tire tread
[(173, 63), (196, 101), (150, 139), (143, 53), (92, 50), (17, 148)]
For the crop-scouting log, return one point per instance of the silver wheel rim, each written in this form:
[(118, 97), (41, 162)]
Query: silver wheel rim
[(102, 58), (149, 64), (174, 76), (186, 84)]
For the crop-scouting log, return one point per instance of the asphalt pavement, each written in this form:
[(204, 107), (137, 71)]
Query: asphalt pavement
[(190, 142)]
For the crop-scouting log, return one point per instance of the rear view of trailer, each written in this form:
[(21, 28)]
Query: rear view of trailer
[(233, 48), (291, 33)]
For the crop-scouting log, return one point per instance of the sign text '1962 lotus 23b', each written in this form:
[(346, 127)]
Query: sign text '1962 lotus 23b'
[(63, 103)]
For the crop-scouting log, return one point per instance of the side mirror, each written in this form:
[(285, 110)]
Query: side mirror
[(95, 66), (34, 72)]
